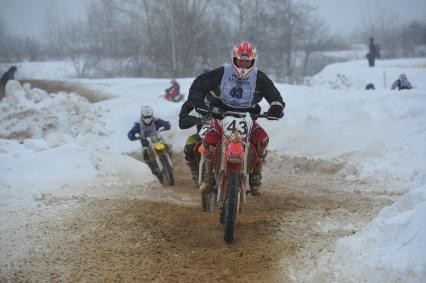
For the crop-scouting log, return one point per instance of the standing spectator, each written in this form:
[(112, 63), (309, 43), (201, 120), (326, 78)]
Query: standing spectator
[(9, 75), (371, 55), (402, 83)]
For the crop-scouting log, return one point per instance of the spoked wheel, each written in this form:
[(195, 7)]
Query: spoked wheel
[(208, 200), (168, 178), (230, 208)]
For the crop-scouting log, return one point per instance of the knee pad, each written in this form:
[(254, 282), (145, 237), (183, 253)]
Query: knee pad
[(189, 152)]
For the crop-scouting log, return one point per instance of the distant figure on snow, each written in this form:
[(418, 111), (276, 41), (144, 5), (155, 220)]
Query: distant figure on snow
[(9, 75), (205, 66), (370, 86), (371, 55), (402, 83), (173, 92)]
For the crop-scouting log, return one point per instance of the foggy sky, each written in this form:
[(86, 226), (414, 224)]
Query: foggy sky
[(342, 16)]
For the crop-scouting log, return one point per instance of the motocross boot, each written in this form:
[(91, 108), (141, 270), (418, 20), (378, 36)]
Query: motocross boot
[(255, 178), (207, 178), (194, 171)]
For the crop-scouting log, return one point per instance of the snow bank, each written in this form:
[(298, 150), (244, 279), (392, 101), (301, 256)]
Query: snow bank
[(391, 248), (383, 133), (34, 113), (53, 143), (357, 74)]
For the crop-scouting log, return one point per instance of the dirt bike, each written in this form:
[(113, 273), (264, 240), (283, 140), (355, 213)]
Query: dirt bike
[(176, 98), (160, 152), (233, 159)]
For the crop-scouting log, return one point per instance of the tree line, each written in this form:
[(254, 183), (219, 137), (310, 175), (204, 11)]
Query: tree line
[(174, 38)]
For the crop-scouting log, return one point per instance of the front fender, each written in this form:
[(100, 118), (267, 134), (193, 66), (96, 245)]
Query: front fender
[(235, 152)]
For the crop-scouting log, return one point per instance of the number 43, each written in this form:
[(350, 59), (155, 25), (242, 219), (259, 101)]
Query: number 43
[(233, 126)]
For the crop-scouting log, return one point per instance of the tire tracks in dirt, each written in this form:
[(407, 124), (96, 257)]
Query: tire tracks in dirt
[(165, 237), (299, 216)]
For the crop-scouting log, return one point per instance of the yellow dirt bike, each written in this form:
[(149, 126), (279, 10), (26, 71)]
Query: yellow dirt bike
[(160, 158)]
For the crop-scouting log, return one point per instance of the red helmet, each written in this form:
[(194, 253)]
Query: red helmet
[(243, 59)]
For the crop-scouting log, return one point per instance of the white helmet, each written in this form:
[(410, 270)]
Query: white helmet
[(402, 76), (243, 59), (147, 115)]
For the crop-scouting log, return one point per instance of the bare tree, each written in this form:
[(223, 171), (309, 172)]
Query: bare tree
[(382, 23)]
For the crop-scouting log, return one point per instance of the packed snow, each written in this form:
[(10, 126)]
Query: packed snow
[(357, 74), (391, 248), (61, 144)]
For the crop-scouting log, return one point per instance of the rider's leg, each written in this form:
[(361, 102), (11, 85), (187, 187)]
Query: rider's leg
[(259, 139), (191, 161), (211, 139)]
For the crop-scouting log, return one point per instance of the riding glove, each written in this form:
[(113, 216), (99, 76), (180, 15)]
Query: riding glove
[(276, 111)]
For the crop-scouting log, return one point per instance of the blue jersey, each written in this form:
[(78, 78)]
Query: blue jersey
[(145, 130)]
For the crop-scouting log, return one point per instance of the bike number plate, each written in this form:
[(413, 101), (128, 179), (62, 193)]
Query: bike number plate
[(155, 138), (231, 124)]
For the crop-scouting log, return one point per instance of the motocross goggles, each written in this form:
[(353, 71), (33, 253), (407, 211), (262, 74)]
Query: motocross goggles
[(243, 63), (147, 119)]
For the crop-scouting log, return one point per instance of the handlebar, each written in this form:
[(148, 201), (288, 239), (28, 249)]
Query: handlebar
[(139, 136), (216, 111)]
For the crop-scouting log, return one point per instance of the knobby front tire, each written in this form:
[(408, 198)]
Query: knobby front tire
[(231, 206)]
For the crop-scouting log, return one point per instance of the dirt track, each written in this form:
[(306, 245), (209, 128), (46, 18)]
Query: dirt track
[(98, 240)]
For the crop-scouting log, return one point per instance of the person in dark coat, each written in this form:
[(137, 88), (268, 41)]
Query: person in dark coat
[(371, 55), (9, 75)]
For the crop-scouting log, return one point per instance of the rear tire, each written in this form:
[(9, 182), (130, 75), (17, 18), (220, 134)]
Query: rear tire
[(231, 206)]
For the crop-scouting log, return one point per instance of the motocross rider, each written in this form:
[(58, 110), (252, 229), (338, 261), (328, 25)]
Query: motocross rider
[(237, 86), (187, 121), (140, 130), (173, 92)]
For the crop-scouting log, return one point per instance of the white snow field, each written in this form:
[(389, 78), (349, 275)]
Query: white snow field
[(60, 144)]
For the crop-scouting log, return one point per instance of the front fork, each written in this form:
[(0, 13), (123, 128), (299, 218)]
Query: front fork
[(157, 159), (221, 175)]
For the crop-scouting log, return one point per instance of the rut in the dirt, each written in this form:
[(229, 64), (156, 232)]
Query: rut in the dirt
[(140, 240)]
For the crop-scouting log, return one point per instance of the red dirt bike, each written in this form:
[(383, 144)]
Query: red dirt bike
[(233, 159)]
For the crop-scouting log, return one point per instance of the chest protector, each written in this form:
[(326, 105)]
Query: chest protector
[(147, 130), (235, 92)]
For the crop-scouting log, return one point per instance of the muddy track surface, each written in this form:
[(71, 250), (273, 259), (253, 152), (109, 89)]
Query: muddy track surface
[(169, 239), (163, 236)]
